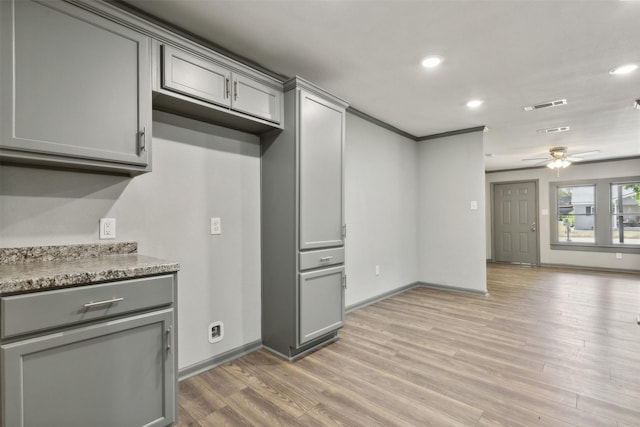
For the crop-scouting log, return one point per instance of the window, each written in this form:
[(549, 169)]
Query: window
[(625, 213), (598, 215), (576, 223)]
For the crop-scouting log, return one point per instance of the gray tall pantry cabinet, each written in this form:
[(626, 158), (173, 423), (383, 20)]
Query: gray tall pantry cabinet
[(303, 227)]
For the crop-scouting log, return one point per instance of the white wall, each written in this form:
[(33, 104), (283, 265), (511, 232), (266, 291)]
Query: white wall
[(381, 182), (451, 236), (199, 171), (623, 168)]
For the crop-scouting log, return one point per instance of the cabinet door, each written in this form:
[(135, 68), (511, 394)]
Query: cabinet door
[(195, 77), (321, 303), (74, 84), (117, 373), (321, 136), (257, 99)]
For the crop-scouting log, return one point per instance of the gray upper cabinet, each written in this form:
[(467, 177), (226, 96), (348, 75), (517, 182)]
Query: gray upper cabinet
[(257, 99), (321, 130), (76, 88), (203, 85), (193, 76)]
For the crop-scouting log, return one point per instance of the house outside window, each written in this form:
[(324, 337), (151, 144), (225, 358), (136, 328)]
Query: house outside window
[(576, 223), (601, 215)]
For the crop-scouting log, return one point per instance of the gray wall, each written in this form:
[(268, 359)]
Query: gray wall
[(381, 182), (623, 168), (451, 236), (199, 171)]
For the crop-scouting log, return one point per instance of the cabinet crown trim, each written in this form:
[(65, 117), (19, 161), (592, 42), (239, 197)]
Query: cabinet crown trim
[(299, 82)]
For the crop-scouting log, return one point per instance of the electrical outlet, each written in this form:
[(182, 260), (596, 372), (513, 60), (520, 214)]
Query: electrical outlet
[(618, 255), (216, 226), (377, 270), (216, 332), (107, 228)]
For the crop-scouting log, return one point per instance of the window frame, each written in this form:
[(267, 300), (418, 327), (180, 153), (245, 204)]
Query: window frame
[(603, 213)]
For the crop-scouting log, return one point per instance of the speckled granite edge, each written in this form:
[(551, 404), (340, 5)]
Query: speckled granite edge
[(65, 252), (35, 276)]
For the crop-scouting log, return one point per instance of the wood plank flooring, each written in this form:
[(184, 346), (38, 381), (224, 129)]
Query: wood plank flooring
[(548, 347)]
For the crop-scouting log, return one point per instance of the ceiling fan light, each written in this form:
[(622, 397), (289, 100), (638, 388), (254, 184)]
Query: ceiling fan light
[(565, 163)]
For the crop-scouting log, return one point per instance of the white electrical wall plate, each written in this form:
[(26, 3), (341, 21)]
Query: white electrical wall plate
[(216, 332), (216, 226), (107, 228)]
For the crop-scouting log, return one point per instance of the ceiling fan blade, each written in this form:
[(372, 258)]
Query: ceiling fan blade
[(585, 153), (535, 159), (575, 159)]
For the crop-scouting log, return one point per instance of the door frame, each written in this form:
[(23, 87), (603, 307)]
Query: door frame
[(536, 186)]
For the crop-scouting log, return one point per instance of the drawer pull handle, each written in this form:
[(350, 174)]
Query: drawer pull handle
[(105, 302), (326, 258)]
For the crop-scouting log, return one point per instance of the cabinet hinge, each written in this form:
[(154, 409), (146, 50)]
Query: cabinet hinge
[(344, 281), (344, 231), (143, 140)]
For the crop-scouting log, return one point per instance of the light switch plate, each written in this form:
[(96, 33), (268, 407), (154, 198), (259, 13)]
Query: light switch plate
[(474, 205), (107, 228), (216, 226)]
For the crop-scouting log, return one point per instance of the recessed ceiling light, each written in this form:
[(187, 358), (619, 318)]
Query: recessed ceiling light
[(475, 103), (432, 61), (623, 69)]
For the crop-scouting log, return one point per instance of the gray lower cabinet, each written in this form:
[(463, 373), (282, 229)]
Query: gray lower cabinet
[(204, 85), (76, 88), (108, 359), (303, 276), (321, 302)]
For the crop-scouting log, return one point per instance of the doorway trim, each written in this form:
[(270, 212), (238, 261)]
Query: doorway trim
[(536, 185)]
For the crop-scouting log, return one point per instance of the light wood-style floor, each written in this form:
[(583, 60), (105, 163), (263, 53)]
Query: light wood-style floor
[(548, 347)]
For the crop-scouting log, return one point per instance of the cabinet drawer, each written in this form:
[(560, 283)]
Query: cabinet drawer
[(322, 258), (32, 312)]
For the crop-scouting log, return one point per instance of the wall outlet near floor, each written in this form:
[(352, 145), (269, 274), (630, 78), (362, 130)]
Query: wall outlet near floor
[(618, 255), (216, 332), (107, 228), (216, 226)]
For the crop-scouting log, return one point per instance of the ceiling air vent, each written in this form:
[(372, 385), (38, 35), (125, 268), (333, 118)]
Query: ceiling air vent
[(546, 105), (554, 130)]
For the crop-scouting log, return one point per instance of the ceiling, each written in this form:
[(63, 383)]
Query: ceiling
[(510, 54)]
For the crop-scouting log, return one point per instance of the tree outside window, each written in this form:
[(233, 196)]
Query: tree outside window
[(576, 214), (625, 213)]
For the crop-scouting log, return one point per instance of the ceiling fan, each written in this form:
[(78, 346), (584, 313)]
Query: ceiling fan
[(559, 158)]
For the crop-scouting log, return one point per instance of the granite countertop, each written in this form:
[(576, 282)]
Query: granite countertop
[(48, 267)]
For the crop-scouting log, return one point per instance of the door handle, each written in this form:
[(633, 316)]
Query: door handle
[(533, 226)]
